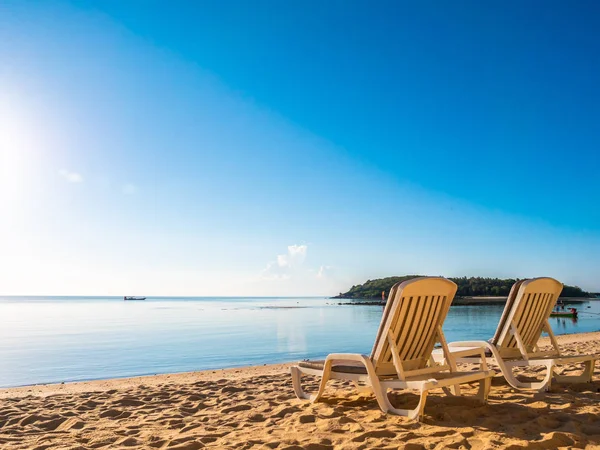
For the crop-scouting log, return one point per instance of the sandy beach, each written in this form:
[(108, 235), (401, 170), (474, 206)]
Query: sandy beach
[(255, 407)]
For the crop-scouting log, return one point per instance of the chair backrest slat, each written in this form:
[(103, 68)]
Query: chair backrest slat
[(412, 314), (413, 327), (536, 314), (430, 309), (528, 311), (510, 301)]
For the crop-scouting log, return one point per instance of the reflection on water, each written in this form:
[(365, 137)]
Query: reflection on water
[(563, 323), (62, 339), (290, 335)]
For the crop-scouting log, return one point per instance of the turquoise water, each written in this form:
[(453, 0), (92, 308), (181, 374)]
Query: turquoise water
[(54, 339)]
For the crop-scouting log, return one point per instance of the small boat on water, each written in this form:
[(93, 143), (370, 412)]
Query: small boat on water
[(133, 298), (570, 313)]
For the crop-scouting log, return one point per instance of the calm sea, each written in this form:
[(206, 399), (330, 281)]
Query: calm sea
[(54, 339)]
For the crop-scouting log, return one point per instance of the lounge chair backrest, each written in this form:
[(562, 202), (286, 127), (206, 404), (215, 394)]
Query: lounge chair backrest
[(411, 322), (510, 301), (528, 314)]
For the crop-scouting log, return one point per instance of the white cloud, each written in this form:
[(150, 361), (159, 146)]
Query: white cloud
[(295, 256), (274, 271), (292, 274), (282, 260), (130, 189), (71, 177), (324, 271), (287, 264)]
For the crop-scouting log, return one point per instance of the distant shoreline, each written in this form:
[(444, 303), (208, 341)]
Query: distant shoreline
[(462, 301), (486, 290), (502, 300)]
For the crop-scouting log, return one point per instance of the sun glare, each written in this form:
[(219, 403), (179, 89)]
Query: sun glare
[(18, 143)]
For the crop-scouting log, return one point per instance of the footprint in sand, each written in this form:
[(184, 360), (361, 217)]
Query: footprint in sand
[(190, 427), (414, 446), (307, 418), (443, 433), (191, 410), (103, 442), (53, 424), (89, 405), (128, 442), (232, 389), (185, 444), (257, 418), (115, 414), (284, 411), (128, 401), (173, 423), (33, 418), (378, 434), (317, 447), (242, 407)]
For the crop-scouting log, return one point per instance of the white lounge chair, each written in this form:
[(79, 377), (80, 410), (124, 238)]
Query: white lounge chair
[(515, 343), (401, 356)]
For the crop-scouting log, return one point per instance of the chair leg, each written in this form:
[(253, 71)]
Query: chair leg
[(453, 391), (418, 412), (301, 393), (297, 384), (386, 406), (589, 370), (324, 379), (482, 393), (584, 377), (546, 383), (540, 386), (484, 389)]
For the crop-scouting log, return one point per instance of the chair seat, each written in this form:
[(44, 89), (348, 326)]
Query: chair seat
[(438, 353), (340, 368)]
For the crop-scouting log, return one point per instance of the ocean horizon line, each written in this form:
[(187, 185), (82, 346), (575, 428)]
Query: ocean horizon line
[(167, 296)]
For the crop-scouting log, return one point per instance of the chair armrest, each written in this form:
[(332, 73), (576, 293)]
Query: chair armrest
[(480, 344), (347, 357), (356, 357), (463, 349)]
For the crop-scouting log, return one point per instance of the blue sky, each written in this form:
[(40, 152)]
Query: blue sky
[(295, 148)]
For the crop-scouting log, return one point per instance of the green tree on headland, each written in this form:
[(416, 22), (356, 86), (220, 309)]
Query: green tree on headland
[(467, 287)]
